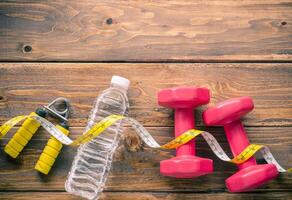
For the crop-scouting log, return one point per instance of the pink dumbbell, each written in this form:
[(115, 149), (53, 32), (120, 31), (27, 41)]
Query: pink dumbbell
[(184, 100), (227, 114)]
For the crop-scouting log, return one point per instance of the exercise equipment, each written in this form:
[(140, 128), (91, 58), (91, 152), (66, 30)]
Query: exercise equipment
[(184, 100), (228, 114), (24, 134), (59, 108)]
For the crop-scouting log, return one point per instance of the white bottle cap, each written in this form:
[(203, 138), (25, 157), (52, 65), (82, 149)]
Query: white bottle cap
[(120, 81)]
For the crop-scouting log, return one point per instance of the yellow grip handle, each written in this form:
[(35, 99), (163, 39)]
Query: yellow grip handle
[(22, 136), (50, 153)]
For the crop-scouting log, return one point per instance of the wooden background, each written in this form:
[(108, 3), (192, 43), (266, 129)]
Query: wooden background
[(68, 48)]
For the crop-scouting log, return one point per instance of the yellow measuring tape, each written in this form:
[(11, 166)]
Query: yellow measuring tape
[(99, 127)]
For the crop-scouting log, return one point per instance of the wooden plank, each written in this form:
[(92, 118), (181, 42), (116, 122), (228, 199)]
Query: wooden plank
[(139, 171), (25, 86), (145, 31), (147, 196)]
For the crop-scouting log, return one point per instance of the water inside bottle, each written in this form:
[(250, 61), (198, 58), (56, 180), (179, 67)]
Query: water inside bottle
[(93, 160)]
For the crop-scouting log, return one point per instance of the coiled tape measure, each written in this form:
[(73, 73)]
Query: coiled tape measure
[(99, 127)]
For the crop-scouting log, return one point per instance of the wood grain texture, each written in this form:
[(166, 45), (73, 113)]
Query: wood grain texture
[(145, 30), (135, 175), (24, 87), (147, 196), (139, 171)]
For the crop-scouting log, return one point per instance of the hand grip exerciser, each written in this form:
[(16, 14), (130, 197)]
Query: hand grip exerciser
[(23, 134), (184, 100), (228, 114), (29, 128), (51, 151)]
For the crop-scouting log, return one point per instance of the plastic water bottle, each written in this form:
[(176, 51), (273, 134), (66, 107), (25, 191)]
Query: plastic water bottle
[(92, 162)]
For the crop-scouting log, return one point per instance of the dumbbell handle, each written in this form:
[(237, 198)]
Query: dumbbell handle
[(238, 141), (184, 120)]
